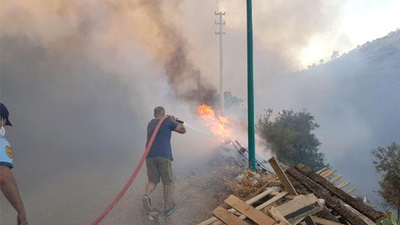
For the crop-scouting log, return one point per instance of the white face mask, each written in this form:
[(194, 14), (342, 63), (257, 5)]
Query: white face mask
[(2, 131)]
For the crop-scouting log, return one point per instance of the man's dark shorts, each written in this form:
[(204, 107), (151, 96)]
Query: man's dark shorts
[(157, 168)]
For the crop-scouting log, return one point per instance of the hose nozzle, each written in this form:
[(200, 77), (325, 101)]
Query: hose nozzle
[(179, 121)]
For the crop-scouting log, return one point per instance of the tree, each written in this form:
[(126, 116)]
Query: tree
[(387, 162), (335, 55), (289, 137)]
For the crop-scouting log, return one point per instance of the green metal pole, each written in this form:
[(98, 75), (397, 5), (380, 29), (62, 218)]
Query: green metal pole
[(250, 87)]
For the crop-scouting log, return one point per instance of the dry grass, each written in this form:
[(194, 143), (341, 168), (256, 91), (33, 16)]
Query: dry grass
[(249, 183)]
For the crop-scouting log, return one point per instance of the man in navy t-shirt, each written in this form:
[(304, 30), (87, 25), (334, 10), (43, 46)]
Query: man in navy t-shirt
[(158, 161)]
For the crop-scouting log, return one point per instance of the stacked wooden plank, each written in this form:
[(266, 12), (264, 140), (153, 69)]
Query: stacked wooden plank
[(326, 173), (266, 211), (338, 201), (307, 197)]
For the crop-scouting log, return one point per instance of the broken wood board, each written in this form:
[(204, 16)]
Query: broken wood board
[(259, 196), (324, 221), (324, 213), (250, 202), (282, 176), (336, 178), (272, 200), (328, 174), (262, 206), (227, 217), (264, 187), (343, 184), (274, 204), (350, 191), (280, 219), (286, 183), (299, 208), (250, 212), (321, 192), (355, 203), (322, 170), (291, 197)]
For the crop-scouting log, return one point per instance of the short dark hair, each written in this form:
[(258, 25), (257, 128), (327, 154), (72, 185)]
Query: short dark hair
[(159, 111)]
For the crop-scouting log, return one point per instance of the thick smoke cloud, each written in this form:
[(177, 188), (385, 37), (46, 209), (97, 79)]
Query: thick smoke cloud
[(81, 80), (106, 31), (174, 53)]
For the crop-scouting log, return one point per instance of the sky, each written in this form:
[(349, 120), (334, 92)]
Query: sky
[(361, 21)]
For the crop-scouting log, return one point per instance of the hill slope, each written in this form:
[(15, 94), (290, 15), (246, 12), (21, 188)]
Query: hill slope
[(356, 100)]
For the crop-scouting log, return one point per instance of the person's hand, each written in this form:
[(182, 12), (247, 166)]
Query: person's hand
[(171, 117), (21, 219)]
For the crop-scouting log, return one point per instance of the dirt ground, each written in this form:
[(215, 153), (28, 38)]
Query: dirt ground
[(197, 193)]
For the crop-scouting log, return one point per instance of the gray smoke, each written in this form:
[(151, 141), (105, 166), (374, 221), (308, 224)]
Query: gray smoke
[(178, 67), (106, 31), (81, 82)]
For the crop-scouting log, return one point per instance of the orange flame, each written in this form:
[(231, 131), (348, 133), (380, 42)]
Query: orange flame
[(219, 125)]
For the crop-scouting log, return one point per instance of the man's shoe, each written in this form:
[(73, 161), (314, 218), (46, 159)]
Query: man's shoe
[(170, 210), (152, 216), (147, 203)]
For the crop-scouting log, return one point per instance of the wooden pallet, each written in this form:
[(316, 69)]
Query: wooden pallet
[(237, 212), (293, 210), (245, 211), (287, 206)]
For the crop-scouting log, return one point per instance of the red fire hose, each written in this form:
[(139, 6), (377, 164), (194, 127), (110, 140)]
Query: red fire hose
[(130, 181)]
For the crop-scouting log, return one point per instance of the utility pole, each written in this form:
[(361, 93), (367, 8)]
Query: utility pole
[(250, 87), (198, 87), (220, 33)]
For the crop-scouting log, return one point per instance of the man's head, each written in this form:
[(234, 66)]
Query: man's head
[(159, 112), (4, 121)]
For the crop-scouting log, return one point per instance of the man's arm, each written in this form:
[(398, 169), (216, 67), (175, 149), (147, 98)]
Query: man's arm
[(10, 190), (180, 128)]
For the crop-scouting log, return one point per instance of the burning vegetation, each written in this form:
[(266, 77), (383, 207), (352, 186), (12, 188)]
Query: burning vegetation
[(219, 125)]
